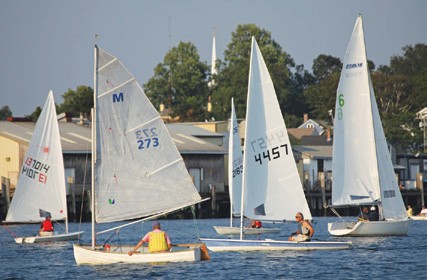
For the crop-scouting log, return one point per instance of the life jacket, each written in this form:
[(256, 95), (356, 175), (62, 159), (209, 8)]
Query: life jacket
[(304, 230), (258, 224), (47, 225), (157, 242)]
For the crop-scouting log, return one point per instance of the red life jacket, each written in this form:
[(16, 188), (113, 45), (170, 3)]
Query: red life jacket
[(258, 224), (47, 225)]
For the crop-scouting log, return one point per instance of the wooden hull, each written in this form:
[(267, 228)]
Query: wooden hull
[(53, 238), (249, 231), (377, 228), (84, 254), (224, 245)]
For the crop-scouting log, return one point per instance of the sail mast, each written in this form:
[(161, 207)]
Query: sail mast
[(230, 161), (93, 157)]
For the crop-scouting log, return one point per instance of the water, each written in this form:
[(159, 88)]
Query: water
[(372, 258)]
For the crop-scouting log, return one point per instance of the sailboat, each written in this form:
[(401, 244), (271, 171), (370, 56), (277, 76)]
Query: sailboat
[(235, 172), (137, 169), (362, 169), (271, 187), (41, 191)]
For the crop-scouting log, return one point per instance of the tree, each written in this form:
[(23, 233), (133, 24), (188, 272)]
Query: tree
[(5, 112), (35, 115), (78, 101), (324, 65), (180, 83), (232, 78)]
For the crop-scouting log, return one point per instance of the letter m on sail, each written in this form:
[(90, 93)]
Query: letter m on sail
[(118, 97)]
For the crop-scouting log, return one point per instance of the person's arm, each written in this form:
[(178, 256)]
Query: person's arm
[(140, 243), (168, 241)]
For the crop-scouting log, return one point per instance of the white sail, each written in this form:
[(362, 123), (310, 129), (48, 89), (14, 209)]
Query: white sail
[(362, 168), (271, 184), (235, 164), (139, 171), (41, 183)]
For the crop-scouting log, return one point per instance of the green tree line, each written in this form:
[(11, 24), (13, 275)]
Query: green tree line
[(180, 83)]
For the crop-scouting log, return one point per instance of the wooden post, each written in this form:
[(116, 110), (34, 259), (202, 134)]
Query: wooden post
[(73, 211), (5, 188), (213, 193), (322, 186)]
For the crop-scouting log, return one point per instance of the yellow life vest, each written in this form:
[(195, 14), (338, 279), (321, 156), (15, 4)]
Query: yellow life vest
[(157, 242)]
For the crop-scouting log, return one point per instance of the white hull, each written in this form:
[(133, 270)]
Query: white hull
[(53, 238), (85, 255), (419, 218), (237, 245), (377, 228), (249, 231)]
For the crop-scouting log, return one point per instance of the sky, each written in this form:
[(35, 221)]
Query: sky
[(48, 44)]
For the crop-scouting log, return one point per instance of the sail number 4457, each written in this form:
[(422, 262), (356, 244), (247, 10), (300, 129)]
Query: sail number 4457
[(272, 154)]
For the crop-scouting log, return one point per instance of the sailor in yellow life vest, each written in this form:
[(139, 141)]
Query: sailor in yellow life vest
[(158, 240)]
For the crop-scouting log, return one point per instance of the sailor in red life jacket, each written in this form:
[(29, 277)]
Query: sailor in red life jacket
[(255, 224), (158, 241), (46, 228)]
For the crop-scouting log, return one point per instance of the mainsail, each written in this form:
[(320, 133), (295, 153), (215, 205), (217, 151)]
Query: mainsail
[(272, 188), (139, 171), (362, 168), (41, 183)]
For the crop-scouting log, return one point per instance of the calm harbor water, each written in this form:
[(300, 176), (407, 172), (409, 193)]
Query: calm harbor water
[(371, 258)]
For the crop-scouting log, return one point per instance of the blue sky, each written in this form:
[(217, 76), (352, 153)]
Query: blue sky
[(49, 44)]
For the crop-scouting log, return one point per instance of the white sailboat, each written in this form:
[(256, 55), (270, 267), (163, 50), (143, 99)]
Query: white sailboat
[(138, 171), (271, 188), (235, 172), (41, 185), (362, 168)]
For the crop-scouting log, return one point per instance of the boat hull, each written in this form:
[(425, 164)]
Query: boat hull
[(53, 238), (419, 218), (371, 228), (223, 245), (84, 254), (249, 231)]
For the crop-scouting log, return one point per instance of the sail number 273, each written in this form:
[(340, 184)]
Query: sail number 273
[(147, 138)]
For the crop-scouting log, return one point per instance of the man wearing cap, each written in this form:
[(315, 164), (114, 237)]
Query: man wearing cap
[(373, 215), (158, 240)]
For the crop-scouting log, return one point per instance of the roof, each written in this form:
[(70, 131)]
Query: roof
[(315, 152), (76, 138), (320, 140), (300, 132)]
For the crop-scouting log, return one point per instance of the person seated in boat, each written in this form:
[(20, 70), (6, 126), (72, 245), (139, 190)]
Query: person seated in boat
[(409, 212), (46, 227), (158, 240), (255, 224), (364, 215), (306, 231), (373, 215), (423, 212)]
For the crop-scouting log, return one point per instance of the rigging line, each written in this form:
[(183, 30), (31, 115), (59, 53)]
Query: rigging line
[(84, 188), (196, 226), (115, 88)]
